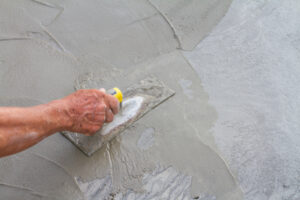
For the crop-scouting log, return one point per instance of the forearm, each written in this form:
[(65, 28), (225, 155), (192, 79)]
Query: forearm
[(84, 111), (21, 128)]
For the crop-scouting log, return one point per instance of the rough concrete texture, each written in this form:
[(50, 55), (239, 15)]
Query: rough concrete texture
[(230, 132), (249, 65), (162, 183)]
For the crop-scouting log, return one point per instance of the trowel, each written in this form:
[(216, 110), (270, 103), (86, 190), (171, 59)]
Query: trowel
[(136, 101)]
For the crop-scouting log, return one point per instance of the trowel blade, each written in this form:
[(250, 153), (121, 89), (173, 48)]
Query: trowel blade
[(139, 99)]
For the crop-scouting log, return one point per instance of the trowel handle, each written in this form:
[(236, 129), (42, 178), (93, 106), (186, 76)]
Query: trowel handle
[(116, 92)]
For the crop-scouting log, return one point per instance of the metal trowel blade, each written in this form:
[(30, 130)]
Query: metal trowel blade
[(139, 100)]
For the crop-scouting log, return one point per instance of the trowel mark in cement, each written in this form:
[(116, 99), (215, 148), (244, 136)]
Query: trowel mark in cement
[(191, 20), (49, 5), (162, 183), (9, 191)]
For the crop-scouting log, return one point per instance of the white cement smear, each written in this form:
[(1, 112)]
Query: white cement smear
[(131, 107)]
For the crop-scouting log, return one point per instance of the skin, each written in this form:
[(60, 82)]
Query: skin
[(84, 111)]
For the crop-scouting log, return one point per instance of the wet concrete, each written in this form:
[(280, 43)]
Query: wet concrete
[(249, 66), (228, 133)]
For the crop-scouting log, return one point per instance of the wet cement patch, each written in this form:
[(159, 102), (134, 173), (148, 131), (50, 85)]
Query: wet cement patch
[(170, 146), (249, 66)]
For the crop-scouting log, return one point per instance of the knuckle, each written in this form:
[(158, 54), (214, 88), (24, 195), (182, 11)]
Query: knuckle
[(100, 93)]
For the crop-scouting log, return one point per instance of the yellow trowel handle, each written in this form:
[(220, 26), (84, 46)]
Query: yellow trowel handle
[(116, 92)]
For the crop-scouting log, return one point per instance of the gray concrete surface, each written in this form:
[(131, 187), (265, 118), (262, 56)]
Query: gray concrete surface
[(230, 132), (249, 65)]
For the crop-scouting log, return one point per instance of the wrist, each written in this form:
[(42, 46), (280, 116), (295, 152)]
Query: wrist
[(57, 111)]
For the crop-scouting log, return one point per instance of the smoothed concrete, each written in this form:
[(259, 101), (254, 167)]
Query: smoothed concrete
[(49, 47)]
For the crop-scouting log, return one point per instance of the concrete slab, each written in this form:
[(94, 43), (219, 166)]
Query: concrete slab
[(174, 144), (249, 66), (230, 131)]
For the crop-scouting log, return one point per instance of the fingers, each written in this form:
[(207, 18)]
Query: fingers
[(112, 102), (109, 115), (100, 118), (97, 113)]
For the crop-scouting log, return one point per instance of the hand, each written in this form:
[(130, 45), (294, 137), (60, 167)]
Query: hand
[(87, 110)]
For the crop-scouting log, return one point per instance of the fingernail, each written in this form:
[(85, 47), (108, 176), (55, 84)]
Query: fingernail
[(103, 90)]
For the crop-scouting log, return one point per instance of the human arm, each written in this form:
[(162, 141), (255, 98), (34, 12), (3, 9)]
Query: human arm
[(84, 111)]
